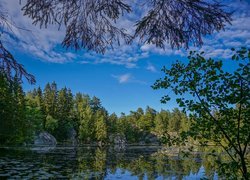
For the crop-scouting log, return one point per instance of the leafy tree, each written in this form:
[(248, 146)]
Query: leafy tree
[(34, 119), (211, 88), (51, 124)]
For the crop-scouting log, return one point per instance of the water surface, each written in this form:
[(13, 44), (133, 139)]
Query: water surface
[(105, 163)]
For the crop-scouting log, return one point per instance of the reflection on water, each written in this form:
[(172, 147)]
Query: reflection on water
[(95, 163)]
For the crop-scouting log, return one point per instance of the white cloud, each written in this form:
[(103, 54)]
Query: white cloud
[(218, 44), (124, 78), (40, 43), (151, 67), (128, 78), (84, 62), (44, 43), (236, 35), (150, 48)]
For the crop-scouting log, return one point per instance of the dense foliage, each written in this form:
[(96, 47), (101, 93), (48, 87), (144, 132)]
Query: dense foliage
[(63, 114), (218, 100), (12, 111)]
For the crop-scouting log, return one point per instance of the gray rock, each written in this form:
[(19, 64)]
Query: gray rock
[(141, 142), (118, 140), (151, 139), (45, 139), (73, 136)]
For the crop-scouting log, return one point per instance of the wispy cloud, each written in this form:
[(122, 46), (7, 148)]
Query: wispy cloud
[(124, 78), (151, 68), (44, 44), (219, 43), (40, 43), (127, 78)]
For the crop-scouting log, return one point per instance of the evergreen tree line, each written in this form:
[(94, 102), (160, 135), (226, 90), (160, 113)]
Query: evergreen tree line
[(59, 112)]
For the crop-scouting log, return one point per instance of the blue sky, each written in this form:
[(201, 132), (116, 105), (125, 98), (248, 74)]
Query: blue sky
[(120, 78), (119, 88)]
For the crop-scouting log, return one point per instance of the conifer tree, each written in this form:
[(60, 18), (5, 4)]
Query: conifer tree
[(161, 122), (6, 115), (86, 128), (19, 118), (100, 126), (112, 124)]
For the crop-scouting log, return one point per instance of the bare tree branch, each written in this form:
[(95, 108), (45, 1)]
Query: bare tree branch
[(9, 65), (181, 22), (90, 24)]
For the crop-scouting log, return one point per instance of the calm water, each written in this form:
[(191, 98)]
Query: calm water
[(96, 163)]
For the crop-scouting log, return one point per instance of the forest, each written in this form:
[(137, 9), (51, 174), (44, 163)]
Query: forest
[(59, 112), (222, 107), (211, 86)]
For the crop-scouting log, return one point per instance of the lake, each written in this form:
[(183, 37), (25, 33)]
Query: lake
[(106, 163)]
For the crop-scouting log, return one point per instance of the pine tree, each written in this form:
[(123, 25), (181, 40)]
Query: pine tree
[(19, 117), (161, 122), (146, 121), (95, 104), (100, 127), (41, 107), (112, 124), (54, 96), (39, 97), (175, 121), (6, 111), (61, 115), (47, 99), (86, 128), (62, 106), (50, 99)]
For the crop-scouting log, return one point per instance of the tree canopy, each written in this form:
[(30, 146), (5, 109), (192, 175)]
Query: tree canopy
[(218, 101)]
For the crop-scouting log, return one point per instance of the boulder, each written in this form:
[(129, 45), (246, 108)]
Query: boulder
[(45, 139), (151, 139), (73, 137), (118, 140)]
